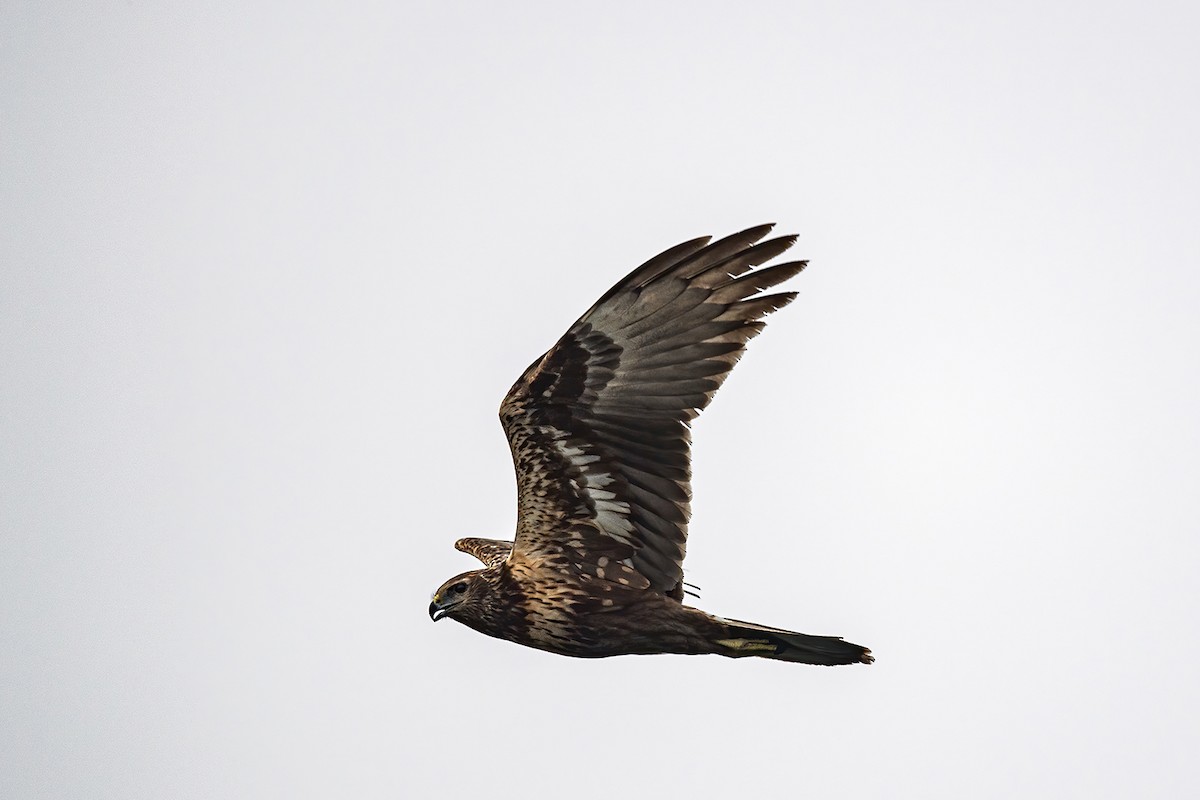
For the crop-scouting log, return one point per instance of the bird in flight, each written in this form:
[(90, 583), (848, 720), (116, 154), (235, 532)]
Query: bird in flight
[(600, 438)]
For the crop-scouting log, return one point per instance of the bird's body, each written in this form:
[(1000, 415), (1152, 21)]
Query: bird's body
[(598, 428)]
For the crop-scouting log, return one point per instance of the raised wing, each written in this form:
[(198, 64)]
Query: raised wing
[(598, 425)]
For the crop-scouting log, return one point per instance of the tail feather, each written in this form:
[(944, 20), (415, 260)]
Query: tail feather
[(748, 639)]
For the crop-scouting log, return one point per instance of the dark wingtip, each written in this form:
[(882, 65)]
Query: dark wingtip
[(757, 232)]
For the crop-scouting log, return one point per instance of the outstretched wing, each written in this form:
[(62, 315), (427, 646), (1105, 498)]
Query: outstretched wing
[(598, 425), (490, 551)]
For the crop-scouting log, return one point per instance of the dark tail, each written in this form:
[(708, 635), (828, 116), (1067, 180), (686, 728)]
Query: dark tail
[(748, 639)]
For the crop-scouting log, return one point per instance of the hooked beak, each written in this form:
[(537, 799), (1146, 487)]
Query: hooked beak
[(436, 612)]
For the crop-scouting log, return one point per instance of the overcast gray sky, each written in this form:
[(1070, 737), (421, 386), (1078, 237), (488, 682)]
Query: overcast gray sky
[(268, 271)]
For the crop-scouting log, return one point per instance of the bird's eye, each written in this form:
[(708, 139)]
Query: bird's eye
[(458, 588)]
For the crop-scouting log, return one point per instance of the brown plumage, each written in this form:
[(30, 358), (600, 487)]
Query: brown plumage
[(598, 428)]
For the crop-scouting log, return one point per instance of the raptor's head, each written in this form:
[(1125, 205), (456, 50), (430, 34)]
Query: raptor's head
[(459, 596)]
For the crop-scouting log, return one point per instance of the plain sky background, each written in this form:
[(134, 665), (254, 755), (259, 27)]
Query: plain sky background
[(268, 270)]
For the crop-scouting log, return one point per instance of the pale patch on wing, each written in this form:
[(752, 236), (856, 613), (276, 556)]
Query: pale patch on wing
[(747, 645), (611, 514)]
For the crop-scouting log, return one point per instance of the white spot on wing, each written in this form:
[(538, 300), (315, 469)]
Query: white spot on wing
[(612, 515)]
